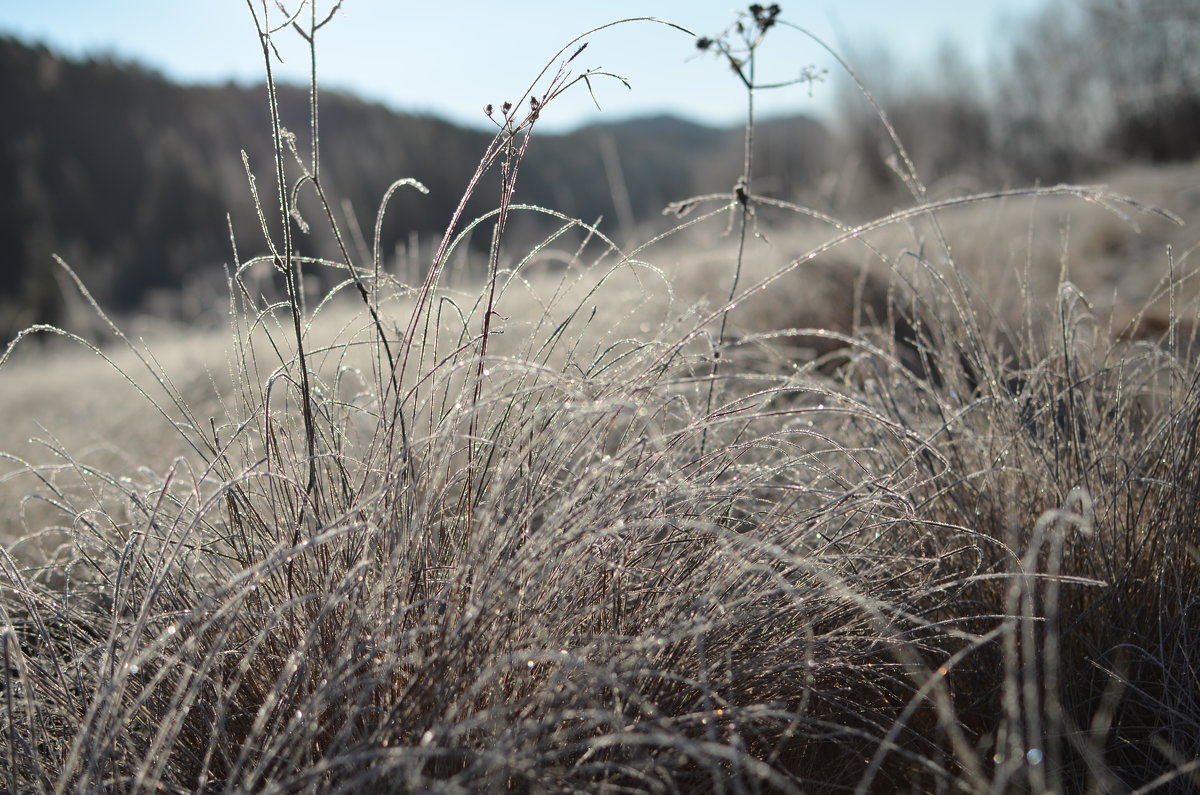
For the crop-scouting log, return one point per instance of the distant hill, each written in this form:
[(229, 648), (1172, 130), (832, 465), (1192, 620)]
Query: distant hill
[(129, 176)]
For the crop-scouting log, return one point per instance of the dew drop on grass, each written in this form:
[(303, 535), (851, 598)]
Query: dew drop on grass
[(171, 630), (1034, 756)]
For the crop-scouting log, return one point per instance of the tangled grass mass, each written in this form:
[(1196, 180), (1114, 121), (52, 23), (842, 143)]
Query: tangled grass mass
[(582, 525)]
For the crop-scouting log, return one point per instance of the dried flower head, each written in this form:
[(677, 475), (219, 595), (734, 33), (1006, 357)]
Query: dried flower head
[(764, 18)]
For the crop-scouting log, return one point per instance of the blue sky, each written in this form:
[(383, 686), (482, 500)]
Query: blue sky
[(452, 58)]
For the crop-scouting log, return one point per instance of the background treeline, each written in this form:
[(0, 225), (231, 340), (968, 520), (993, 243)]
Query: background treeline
[(1082, 88), (130, 177)]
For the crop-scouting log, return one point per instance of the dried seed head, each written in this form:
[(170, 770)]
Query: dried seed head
[(765, 18)]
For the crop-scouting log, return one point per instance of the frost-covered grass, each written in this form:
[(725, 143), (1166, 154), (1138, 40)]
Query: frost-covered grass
[(574, 529)]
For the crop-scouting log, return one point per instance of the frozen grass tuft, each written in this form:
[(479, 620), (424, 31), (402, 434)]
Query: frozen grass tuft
[(443, 542)]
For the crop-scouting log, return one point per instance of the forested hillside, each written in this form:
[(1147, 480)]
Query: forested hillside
[(129, 177)]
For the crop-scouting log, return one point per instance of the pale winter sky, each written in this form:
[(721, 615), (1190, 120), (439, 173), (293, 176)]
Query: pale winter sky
[(452, 58)]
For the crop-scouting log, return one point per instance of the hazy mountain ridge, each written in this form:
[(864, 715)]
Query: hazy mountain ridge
[(129, 176)]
